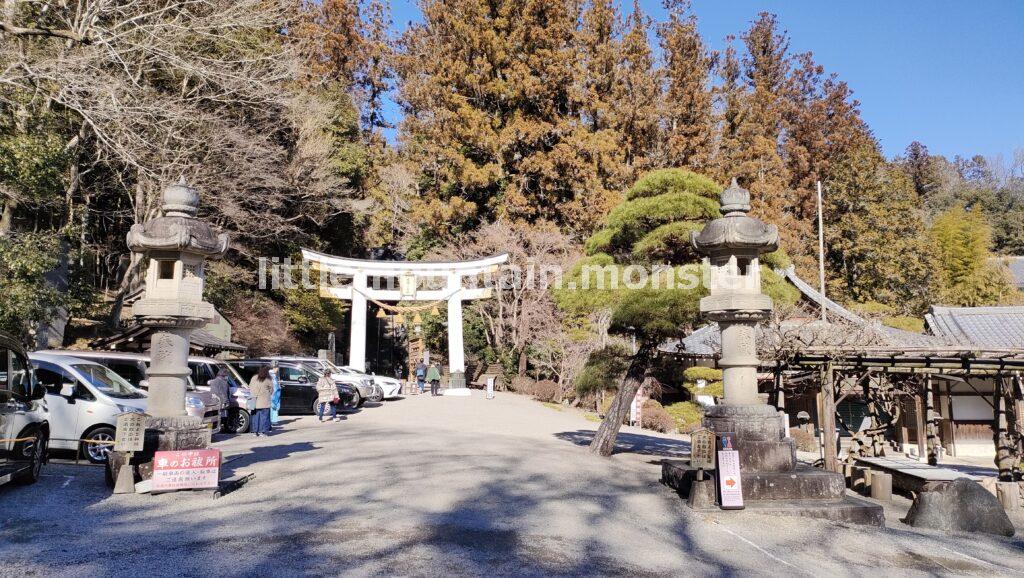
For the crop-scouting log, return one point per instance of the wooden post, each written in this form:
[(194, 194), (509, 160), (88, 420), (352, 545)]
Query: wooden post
[(1004, 458), (828, 418), (933, 423), (951, 448), (920, 417)]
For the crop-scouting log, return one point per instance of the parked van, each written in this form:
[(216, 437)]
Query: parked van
[(23, 415), (133, 368), (84, 399), (235, 417)]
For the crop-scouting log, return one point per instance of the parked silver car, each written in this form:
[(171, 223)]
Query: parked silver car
[(235, 416)]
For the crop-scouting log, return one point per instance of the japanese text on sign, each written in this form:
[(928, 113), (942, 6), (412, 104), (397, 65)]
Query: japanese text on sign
[(702, 449), (131, 432), (186, 470)]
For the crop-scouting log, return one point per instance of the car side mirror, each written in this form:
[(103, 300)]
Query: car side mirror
[(303, 379), (67, 390), (29, 390)]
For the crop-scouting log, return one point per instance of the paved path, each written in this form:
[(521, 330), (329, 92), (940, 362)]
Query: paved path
[(447, 487)]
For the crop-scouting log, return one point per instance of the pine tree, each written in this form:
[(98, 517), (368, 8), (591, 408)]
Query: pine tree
[(689, 128), (330, 37)]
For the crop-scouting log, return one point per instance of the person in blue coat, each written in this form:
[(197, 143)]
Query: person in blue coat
[(275, 398)]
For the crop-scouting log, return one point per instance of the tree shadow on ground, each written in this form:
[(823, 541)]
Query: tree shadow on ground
[(633, 443)]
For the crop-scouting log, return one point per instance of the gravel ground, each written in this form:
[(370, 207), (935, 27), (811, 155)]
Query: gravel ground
[(448, 487)]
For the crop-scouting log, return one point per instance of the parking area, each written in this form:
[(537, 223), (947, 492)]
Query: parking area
[(446, 486)]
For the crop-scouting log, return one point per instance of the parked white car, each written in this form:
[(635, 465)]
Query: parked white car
[(84, 399), (366, 385), (391, 387), (134, 368)]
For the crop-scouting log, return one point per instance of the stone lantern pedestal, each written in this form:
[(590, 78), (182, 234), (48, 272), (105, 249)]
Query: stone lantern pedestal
[(176, 245), (771, 478)]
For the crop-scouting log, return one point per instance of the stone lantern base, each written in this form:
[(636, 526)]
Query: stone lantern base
[(772, 480), (163, 434)]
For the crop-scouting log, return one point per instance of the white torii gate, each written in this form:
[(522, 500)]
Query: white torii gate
[(409, 274)]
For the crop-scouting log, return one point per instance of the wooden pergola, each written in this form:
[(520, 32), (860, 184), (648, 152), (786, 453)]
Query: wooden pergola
[(884, 374)]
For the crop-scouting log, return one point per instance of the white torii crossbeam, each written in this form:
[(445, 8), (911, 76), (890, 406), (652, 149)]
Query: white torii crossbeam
[(408, 275)]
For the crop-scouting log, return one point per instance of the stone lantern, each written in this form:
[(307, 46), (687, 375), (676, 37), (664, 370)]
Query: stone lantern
[(732, 246), (176, 245)]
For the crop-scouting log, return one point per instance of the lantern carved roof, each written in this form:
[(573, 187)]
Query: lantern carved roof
[(735, 230), (178, 229)]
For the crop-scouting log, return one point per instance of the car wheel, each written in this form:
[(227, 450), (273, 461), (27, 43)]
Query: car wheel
[(35, 452), (238, 421), (97, 453), (358, 400), (316, 406)]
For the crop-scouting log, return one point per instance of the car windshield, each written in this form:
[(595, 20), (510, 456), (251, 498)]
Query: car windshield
[(106, 381)]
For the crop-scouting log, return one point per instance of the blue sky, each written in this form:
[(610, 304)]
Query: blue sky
[(949, 74)]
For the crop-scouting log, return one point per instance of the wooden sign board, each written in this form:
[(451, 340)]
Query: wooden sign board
[(730, 486), (131, 432), (186, 470), (702, 449)]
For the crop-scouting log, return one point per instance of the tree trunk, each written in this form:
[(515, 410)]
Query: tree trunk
[(522, 362), (604, 441)]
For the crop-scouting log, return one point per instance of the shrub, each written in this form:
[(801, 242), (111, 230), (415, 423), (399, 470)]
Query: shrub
[(712, 376), (547, 390), (524, 385), (708, 373), (805, 440), (654, 417), (686, 414)]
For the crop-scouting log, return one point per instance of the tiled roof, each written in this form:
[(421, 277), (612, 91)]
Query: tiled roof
[(991, 327), (845, 329), (1016, 266)]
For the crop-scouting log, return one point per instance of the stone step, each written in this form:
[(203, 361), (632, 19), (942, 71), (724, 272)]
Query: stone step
[(849, 510), (804, 483)]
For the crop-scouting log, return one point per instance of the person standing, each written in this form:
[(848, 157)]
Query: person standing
[(275, 398), (421, 375), (262, 388), (327, 397), (434, 377), (220, 387)]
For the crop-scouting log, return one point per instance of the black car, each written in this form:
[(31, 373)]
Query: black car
[(298, 384)]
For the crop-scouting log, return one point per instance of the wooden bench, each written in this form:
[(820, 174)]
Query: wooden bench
[(911, 475)]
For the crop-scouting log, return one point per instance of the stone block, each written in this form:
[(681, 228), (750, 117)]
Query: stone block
[(881, 486), (702, 494), (801, 484), (1009, 495), (959, 506)]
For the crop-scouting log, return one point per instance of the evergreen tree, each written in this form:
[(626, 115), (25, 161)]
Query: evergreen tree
[(490, 94), (876, 249), (689, 129), (636, 96)]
